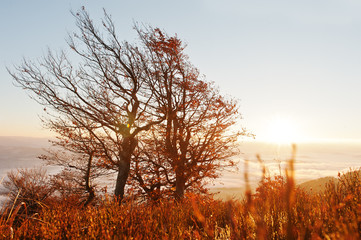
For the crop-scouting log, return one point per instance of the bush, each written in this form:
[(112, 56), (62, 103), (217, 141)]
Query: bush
[(29, 187)]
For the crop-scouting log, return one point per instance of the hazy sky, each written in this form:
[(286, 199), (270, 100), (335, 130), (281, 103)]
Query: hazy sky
[(295, 64)]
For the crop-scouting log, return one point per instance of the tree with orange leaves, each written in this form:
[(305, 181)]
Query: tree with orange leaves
[(196, 141)]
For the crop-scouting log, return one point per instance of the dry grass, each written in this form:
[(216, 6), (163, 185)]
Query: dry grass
[(277, 210)]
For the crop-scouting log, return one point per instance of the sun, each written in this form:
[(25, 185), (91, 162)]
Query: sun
[(282, 130)]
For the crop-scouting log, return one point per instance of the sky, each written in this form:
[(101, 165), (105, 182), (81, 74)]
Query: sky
[(293, 65)]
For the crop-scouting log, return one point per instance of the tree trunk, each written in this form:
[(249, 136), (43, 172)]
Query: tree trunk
[(123, 173), (128, 146), (91, 196), (89, 188), (179, 185)]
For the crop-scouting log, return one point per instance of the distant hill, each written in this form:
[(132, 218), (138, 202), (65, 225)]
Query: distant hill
[(312, 186), (317, 185), (227, 193)]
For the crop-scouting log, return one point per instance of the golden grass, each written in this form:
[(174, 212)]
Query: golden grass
[(276, 210)]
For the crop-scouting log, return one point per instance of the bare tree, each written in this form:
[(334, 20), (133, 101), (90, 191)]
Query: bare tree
[(109, 90), (77, 151)]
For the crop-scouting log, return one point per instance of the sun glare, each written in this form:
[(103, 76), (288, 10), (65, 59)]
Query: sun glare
[(281, 130)]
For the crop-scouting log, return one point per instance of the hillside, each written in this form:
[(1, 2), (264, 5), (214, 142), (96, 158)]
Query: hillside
[(317, 185)]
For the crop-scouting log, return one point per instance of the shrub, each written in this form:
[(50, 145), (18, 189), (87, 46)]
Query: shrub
[(29, 187)]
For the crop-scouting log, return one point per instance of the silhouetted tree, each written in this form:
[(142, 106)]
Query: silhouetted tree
[(108, 90)]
